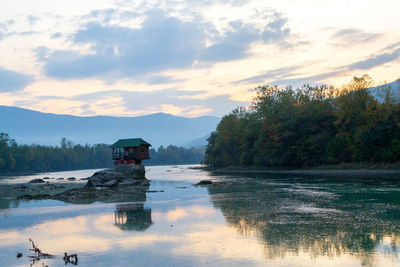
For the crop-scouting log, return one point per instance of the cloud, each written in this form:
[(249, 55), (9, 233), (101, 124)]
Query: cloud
[(376, 60), (392, 46), (161, 79), (161, 42), (3, 30), (32, 20), (25, 33), (351, 36), (234, 44), (276, 30), (213, 2), (282, 76), (56, 35), (101, 13), (314, 79), (185, 101), (11, 81), (70, 65), (275, 73)]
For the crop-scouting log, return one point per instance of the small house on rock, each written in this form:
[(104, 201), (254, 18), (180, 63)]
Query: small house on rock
[(130, 151)]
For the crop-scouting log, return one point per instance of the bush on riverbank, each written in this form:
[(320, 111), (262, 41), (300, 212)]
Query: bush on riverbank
[(310, 126)]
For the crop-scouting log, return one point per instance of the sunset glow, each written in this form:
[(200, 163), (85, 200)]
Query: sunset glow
[(189, 58)]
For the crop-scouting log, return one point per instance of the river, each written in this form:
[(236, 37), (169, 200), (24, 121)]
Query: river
[(239, 220)]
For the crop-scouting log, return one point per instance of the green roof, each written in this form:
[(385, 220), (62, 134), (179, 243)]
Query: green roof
[(133, 142)]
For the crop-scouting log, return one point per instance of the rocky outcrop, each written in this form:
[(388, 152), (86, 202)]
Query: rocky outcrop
[(119, 184), (204, 182), (106, 195), (37, 181), (121, 175)]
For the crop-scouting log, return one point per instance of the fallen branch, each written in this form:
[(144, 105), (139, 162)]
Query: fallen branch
[(38, 252)]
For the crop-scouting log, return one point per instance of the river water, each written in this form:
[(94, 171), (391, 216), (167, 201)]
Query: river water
[(240, 220)]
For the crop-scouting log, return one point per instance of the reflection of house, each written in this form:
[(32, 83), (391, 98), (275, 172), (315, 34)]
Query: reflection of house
[(128, 151), (132, 216)]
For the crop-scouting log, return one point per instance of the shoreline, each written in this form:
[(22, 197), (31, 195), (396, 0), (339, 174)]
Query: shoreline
[(339, 169), (300, 171)]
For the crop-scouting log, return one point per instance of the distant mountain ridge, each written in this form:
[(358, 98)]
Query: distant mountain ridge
[(34, 127), (379, 91), (199, 142)]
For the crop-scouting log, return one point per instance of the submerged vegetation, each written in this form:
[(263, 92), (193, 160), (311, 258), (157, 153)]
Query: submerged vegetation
[(69, 156), (310, 126)]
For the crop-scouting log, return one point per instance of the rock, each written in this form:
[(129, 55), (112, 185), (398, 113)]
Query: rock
[(105, 194), (36, 181), (146, 182), (88, 185), (49, 186), (60, 178), (127, 182), (204, 182), (46, 178), (111, 183), (129, 174), (71, 179), (21, 187), (83, 179), (30, 197)]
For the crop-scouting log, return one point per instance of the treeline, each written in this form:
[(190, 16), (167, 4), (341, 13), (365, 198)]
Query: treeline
[(16, 158), (175, 155), (310, 126)]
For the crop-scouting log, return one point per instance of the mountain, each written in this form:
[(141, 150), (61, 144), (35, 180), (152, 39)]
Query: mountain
[(199, 142), (28, 127), (379, 91)]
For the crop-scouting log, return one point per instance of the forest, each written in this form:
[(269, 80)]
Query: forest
[(310, 126), (16, 158)]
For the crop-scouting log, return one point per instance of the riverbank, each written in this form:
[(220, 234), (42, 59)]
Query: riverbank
[(339, 169)]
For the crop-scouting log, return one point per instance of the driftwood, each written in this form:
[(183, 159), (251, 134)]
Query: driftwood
[(39, 254), (73, 258)]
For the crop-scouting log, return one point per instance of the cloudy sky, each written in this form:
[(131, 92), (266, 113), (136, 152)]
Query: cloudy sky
[(185, 57)]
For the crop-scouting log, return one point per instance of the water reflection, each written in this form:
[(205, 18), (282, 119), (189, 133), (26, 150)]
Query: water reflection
[(321, 219), (237, 221), (132, 216)]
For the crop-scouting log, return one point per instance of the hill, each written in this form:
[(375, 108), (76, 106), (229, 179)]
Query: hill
[(28, 127)]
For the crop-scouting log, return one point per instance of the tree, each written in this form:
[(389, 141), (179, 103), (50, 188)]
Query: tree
[(309, 126)]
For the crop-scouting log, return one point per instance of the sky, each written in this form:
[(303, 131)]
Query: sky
[(186, 57)]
